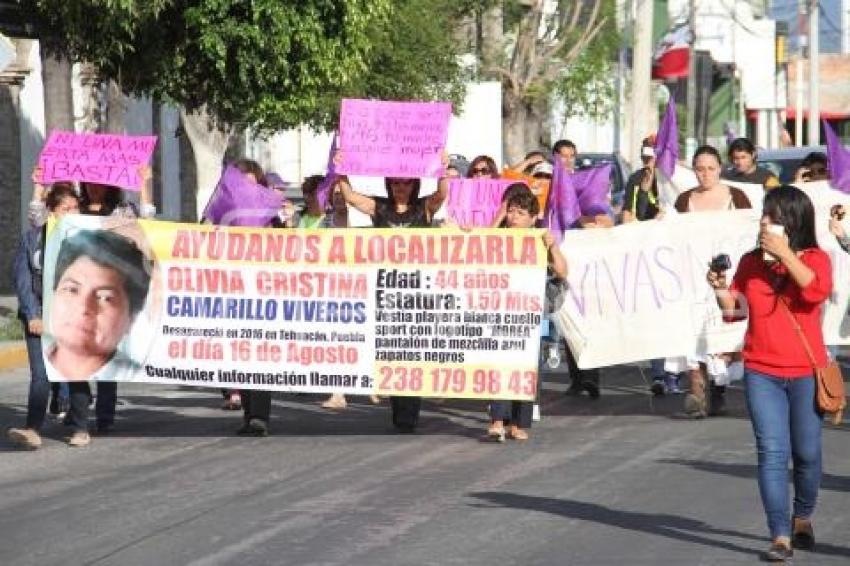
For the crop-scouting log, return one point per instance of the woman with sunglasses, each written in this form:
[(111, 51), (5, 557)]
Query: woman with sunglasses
[(483, 166)]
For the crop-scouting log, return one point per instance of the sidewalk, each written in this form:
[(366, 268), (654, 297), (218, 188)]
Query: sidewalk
[(13, 355)]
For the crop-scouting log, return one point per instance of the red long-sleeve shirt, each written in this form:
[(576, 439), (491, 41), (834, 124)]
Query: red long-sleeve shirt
[(771, 344)]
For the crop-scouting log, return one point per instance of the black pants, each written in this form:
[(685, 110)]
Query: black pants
[(256, 404), (579, 376), (406, 411), (79, 397), (512, 412)]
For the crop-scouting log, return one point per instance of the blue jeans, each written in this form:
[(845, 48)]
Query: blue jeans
[(787, 426), (39, 386)]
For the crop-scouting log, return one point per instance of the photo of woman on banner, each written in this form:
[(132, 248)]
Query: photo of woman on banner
[(402, 208), (511, 419), (100, 283)]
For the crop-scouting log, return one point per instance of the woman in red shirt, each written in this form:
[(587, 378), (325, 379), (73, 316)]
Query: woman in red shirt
[(780, 387)]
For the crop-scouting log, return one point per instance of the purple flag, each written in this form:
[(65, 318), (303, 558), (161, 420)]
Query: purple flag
[(237, 201), (592, 187), (838, 158), (667, 141), (562, 207), (323, 192)]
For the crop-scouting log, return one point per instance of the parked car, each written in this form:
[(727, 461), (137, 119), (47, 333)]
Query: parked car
[(619, 174), (784, 162)]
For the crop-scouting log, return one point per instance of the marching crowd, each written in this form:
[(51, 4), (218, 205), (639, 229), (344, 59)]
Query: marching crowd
[(781, 347)]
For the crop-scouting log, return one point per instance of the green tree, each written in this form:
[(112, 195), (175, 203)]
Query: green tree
[(565, 48), (270, 64), (264, 64)]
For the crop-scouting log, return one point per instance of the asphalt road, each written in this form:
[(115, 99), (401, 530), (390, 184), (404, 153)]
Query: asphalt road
[(614, 481)]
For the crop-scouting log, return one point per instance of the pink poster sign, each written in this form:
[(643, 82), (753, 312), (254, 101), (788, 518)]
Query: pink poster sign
[(393, 139), (95, 158), (475, 202)]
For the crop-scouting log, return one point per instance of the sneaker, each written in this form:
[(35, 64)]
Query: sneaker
[(695, 407), (535, 413), (657, 386), (25, 438), (254, 427), (671, 384), (79, 439), (104, 428)]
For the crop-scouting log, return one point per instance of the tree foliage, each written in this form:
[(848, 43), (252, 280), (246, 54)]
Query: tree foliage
[(563, 47), (270, 64)]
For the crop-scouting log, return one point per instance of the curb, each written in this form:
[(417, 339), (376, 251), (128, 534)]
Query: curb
[(13, 355)]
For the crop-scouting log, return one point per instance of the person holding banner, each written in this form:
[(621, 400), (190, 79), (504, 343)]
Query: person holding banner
[(402, 208), (709, 195), (28, 274), (742, 156), (100, 284), (642, 203), (780, 289), (522, 210), (315, 217), (100, 200)]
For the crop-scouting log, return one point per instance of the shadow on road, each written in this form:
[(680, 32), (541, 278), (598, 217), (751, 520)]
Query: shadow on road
[(670, 526), (828, 481)]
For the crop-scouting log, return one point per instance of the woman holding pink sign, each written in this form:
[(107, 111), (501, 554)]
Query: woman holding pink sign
[(401, 208), (99, 200)]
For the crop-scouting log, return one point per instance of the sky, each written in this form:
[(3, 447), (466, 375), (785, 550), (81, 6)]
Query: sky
[(830, 22)]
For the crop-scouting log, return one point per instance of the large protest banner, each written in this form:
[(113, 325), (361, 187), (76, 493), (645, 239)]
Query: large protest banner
[(95, 158), (638, 291), (434, 313), (392, 139)]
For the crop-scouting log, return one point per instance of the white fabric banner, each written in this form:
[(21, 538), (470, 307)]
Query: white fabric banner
[(638, 291)]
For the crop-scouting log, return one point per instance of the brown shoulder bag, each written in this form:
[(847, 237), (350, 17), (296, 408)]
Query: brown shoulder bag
[(830, 395)]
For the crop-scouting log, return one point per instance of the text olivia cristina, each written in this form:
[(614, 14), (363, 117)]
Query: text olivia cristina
[(419, 249)]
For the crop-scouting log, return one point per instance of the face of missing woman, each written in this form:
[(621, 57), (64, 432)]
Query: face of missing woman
[(91, 311)]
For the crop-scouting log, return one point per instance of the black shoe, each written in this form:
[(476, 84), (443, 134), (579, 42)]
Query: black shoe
[(254, 427), (777, 553), (657, 386), (103, 428), (592, 389), (404, 428), (574, 390), (716, 400), (804, 536)]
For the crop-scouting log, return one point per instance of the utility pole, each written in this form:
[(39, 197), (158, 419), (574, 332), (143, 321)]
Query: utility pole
[(802, 43), (814, 74), (691, 122), (642, 104)]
